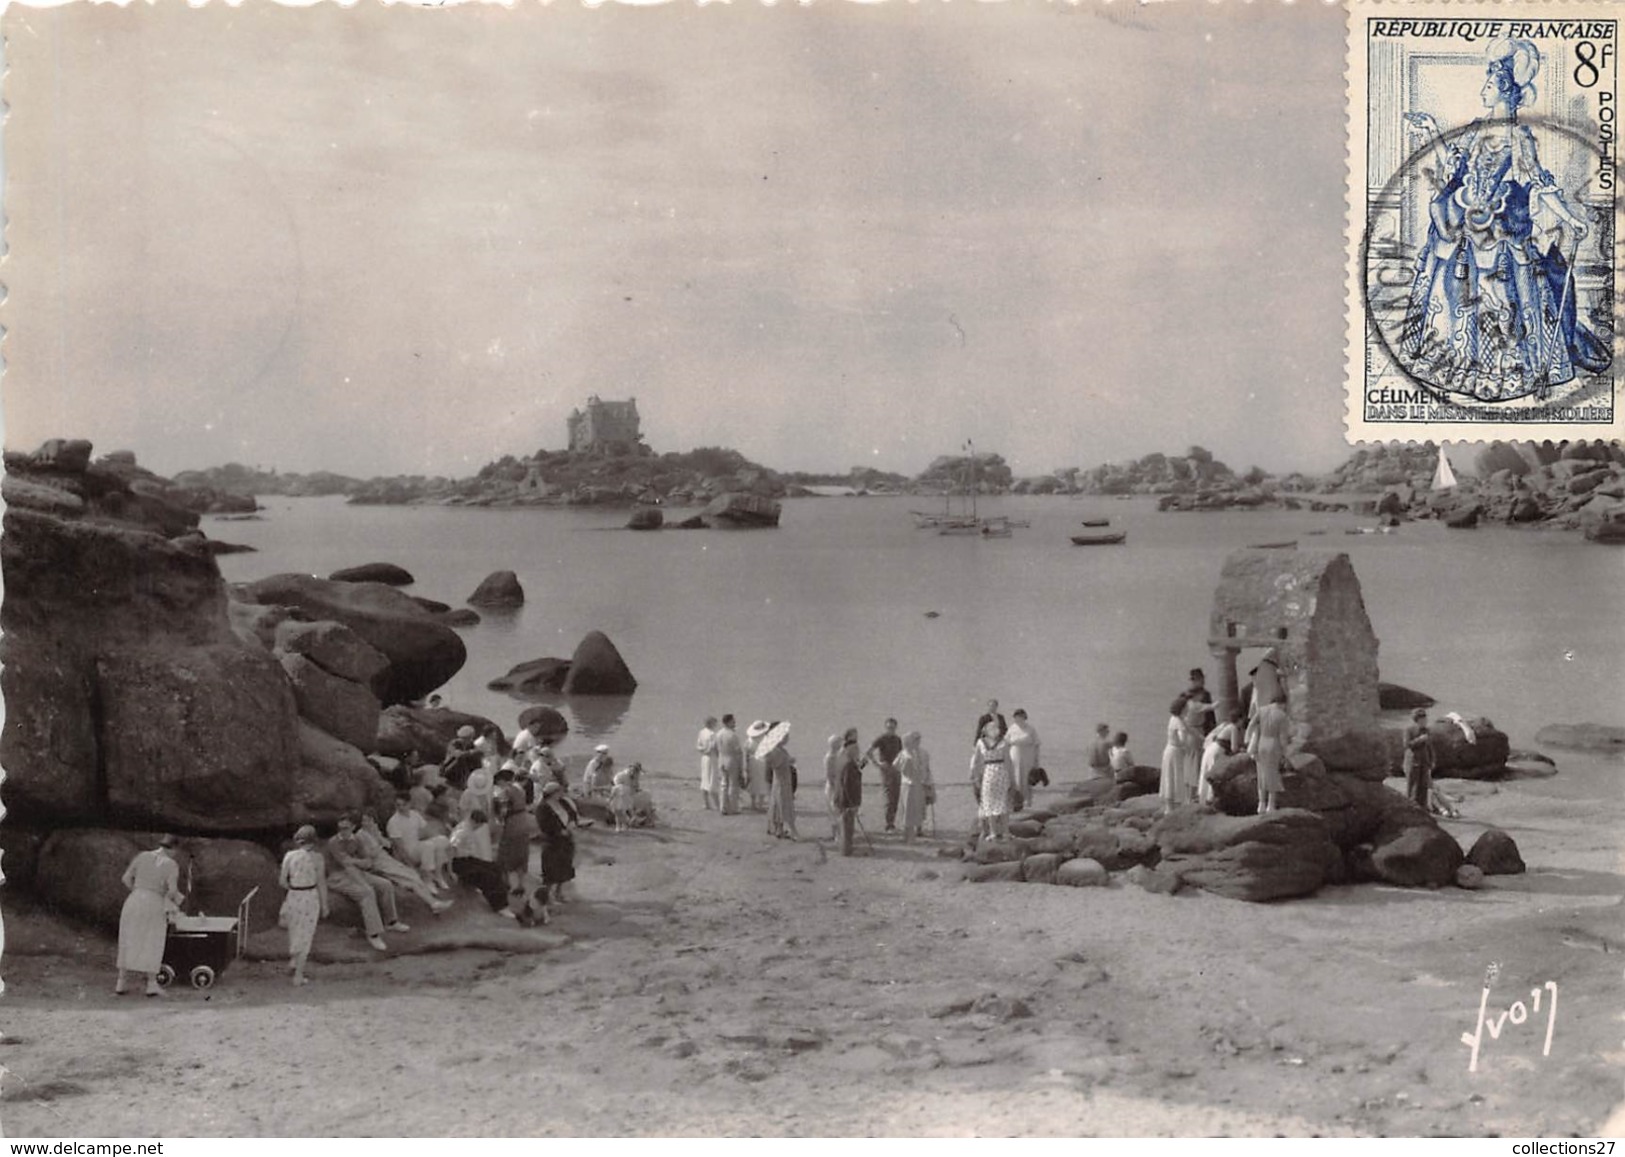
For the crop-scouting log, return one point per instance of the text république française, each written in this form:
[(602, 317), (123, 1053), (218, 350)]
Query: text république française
[(1495, 29)]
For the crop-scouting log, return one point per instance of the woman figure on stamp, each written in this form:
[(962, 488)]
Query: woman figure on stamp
[(1492, 310)]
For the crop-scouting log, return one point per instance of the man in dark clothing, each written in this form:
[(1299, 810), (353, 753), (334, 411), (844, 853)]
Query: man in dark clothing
[(849, 788), (884, 751), (1419, 759)]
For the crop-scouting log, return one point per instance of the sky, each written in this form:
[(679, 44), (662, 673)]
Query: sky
[(403, 241)]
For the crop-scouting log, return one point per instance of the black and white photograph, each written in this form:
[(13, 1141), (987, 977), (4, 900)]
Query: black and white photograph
[(790, 570)]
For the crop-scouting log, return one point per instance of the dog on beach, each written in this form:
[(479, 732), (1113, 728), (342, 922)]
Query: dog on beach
[(531, 906)]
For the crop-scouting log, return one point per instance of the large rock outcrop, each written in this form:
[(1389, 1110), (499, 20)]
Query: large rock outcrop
[(133, 698), (498, 589), (1419, 857), (533, 678), (1482, 757), (545, 723), (201, 738), (1307, 606), (80, 871), (1262, 857), (422, 652), (404, 729), (333, 778), (332, 646), (346, 710), (597, 668)]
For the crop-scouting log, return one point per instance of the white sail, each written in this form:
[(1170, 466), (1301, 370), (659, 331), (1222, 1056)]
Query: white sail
[(1444, 478)]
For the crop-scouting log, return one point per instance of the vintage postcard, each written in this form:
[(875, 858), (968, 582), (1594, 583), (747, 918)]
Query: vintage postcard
[(797, 570), (1484, 220)]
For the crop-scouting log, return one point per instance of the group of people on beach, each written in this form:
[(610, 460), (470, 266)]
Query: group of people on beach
[(1200, 734), (1005, 766), (469, 820), (757, 767)]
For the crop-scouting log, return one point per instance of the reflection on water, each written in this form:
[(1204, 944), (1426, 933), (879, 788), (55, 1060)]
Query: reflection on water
[(594, 717)]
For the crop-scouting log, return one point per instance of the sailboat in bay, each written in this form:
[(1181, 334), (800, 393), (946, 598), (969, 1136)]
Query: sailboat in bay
[(966, 522), (1444, 478)]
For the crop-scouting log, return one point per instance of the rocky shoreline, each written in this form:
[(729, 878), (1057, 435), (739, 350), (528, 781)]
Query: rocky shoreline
[(144, 693), (1569, 486)]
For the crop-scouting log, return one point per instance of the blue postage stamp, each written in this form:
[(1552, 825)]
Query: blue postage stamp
[(1483, 215)]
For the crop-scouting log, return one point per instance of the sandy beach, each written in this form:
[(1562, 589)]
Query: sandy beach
[(713, 981)]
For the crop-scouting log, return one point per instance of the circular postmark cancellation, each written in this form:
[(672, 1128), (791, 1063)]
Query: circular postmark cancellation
[(1483, 280)]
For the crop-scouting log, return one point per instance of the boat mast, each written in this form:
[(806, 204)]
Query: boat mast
[(971, 446)]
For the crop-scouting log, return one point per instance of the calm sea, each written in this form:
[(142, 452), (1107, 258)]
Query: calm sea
[(824, 621)]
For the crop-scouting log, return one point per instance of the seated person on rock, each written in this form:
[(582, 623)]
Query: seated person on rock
[(375, 858), (643, 804), (413, 842), (1122, 759), (374, 895), (599, 773), (460, 759)]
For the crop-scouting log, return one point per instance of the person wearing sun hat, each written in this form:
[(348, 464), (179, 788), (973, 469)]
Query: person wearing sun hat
[(476, 795), (773, 749), (755, 769), (153, 879)]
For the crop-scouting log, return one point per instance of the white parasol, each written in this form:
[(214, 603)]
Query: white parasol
[(773, 739)]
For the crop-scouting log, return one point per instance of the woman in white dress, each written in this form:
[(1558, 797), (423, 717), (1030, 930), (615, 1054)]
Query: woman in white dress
[(1172, 786), (153, 879), (706, 745), (919, 792), (832, 777), (1023, 740), (990, 779), (304, 876), (1198, 716)]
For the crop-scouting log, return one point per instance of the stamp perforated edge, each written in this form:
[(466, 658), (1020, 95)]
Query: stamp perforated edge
[(1357, 430)]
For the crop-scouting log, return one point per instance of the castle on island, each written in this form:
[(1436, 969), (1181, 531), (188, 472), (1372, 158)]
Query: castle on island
[(604, 427)]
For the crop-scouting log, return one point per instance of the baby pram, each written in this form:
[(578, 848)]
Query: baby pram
[(200, 947)]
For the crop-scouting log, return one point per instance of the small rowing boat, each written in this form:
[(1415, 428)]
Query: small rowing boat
[(1096, 522), (1099, 539), (1292, 545)]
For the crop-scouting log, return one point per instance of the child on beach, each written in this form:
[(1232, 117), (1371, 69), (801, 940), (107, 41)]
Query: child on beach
[(1121, 760), (620, 799)]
